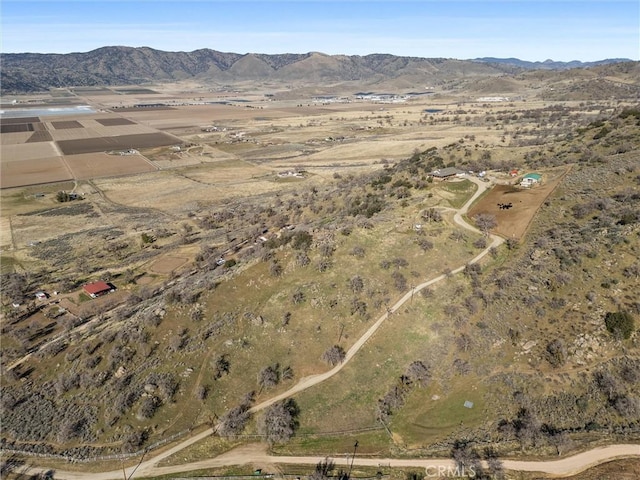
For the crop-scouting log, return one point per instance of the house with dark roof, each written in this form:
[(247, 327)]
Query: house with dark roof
[(96, 289), (446, 173)]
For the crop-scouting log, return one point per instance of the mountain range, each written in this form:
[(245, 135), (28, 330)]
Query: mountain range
[(118, 65)]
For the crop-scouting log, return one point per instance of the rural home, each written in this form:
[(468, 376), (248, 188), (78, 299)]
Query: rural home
[(447, 173), (530, 179), (96, 289)]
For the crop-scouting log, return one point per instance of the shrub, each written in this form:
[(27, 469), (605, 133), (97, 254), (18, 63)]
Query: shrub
[(556, 352), (619, 324)]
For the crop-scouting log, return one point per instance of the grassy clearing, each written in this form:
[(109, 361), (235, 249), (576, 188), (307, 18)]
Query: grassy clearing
[(8, 264), (438, 411)]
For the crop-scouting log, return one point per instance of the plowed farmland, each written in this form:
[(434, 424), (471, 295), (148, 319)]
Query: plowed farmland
[(33, 172), (123, 142)]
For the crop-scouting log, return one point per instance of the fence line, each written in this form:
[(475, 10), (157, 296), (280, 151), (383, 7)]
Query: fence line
[(100, 458), (159, 443)]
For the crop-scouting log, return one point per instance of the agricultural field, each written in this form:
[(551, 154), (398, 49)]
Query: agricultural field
[(253, 241)]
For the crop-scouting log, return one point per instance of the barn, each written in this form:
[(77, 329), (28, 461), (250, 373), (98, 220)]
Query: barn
[(96, 289)]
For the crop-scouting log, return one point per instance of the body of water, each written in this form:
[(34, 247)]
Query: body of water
[(45, 111)]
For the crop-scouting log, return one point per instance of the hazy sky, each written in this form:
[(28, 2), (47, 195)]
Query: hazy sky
[(528, 29)]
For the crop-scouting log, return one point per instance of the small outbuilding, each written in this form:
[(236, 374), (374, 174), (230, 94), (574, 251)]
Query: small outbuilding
[(96, 289)]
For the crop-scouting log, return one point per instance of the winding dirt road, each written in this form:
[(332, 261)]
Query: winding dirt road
[(257, 454)]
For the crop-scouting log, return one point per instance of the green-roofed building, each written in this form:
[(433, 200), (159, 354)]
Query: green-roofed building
[(530, 179)]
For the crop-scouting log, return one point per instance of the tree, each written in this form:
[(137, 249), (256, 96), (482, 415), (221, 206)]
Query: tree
[(202, 392), (432, 215), (480, 243), (302, 240), (400, 281), (62, 196), (14, 286), (297, 297), (418, 373), (279, 421), (323, 470), (334, 355), (485, 222), (424, 244), (358, 307), (619, 324), (494, 464), (148, 407), (269, 376), (221, 365), (464, 455), (232, 423), (275, 269), (323, 265), (134, 441), (327, 249)]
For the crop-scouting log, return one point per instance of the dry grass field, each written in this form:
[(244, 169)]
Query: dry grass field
[(96, 165)]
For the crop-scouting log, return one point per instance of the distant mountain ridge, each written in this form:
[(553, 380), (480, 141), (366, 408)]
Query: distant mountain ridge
[(119, 65), (549, 64)]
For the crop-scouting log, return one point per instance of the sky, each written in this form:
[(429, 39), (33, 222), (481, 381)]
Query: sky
[(585, 30)]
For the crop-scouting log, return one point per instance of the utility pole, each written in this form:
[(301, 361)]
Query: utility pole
[(355, 447)]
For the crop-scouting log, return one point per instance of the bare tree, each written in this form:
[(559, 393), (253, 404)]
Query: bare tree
[(424, 244), (334, 355), (485, 222), (279, 421), (275, 269), (232, 423), (269, 376), (323, 470), (418, 373)]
